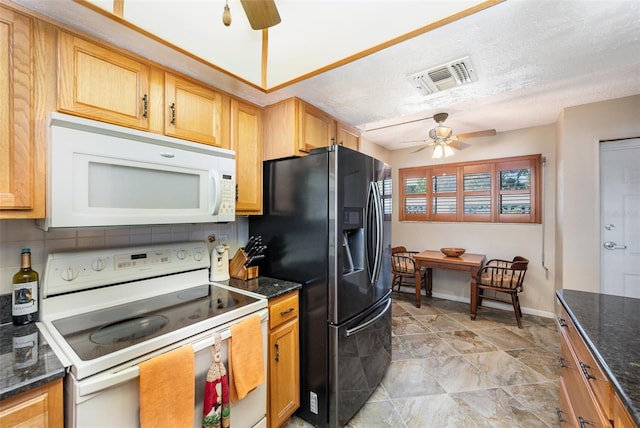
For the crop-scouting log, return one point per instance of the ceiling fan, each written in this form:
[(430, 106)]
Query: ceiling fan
[(442, 138), (261, 13)]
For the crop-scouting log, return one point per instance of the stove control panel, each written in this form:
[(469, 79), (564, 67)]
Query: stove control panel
[(80, 270)]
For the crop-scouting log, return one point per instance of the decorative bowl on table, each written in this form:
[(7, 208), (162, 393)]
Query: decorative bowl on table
[(452, 252)]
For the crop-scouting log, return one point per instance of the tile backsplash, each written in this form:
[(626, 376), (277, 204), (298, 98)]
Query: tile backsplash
[(18, 234)]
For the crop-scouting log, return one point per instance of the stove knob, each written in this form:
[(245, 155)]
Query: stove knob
[(197, 256), (69, 274), (180, 254), (98, 265)]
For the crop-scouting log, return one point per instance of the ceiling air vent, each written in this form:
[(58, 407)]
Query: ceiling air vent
[(445, 76)]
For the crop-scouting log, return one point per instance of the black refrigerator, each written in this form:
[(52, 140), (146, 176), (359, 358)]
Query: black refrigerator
[(327, 225)]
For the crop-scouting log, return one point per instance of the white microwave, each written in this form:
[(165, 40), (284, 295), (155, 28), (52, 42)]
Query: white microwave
[(106, 175)]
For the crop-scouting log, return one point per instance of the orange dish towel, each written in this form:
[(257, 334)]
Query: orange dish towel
[(167, 389), (246, 363)]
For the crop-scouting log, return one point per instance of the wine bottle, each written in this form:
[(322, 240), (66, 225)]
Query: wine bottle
[(25, 350), (24, 295)]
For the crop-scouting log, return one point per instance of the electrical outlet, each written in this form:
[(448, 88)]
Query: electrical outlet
[(223, 240)]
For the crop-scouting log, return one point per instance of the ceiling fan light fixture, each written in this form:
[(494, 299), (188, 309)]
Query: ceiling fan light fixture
[(443, 132), (448, 151), (438, 152)]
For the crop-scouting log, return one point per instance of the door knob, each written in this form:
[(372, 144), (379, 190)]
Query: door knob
[(610, 245)]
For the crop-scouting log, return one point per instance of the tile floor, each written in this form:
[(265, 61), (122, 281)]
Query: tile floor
[(450, 371)]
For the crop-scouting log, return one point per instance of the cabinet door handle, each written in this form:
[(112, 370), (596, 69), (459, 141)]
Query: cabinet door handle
[(172, 107), (585, 371), (584, 422), (277, 352), (283, 313), (561, 361), (560, 412), (145, 105)]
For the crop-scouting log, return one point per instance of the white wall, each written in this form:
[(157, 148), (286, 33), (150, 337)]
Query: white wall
[(495, 240), (581, 129)]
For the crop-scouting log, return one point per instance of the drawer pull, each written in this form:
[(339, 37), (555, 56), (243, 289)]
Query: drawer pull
[(561, 361), (283, 313), (560, 413), (584, 422), (562, 322), (585, 370)]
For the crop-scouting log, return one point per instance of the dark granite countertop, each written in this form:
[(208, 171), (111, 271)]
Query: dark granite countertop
[(610, 326), (26, 360), (265, 286)]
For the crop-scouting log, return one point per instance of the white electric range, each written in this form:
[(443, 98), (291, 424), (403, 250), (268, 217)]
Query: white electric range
[(105, 311)]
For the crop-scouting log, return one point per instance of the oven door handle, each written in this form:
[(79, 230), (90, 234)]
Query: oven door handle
[(106, 380)]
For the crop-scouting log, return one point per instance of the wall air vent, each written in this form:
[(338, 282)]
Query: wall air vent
[(443, 77)]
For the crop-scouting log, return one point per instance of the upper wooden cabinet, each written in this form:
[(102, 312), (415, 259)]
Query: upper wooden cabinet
[(101, 84), (317, 128), (246, 140), (27, 93), (294, 127), (193, 111), (16, 140), (347, 136)]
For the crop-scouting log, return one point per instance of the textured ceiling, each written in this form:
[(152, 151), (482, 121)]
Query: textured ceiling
[(533, 58)]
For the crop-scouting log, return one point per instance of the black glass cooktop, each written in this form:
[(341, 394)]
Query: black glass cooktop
[(100, 332)]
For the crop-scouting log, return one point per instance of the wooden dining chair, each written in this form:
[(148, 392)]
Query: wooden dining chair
[(502, 276), (403, 268)]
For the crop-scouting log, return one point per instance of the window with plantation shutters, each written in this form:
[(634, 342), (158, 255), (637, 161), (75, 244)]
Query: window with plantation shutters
[(414, 191), (444, 194), (476, 192), (496, 190), (384, 188)]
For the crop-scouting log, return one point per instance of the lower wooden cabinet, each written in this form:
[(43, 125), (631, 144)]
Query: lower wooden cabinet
[(587, 398), (284, 360), (40, 407)]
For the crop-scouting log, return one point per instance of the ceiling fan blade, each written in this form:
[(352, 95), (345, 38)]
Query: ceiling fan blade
[(485, 133), (261, 13), (398, 124), (421, 148), (458, 145), (413, 141)]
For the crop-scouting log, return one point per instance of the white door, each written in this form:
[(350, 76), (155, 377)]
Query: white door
[(620, 216)]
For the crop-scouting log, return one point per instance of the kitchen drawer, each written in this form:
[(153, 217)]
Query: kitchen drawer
[(566, 416), (282, 309), (587, 364), (621, 417), (582, 401)]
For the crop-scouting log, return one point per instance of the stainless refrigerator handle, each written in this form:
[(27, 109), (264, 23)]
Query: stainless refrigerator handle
[(367, 244), (359, 328), (379, 231)]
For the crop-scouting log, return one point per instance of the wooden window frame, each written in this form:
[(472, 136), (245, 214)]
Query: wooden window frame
[(405, 173), (437, 171), (492, 166)]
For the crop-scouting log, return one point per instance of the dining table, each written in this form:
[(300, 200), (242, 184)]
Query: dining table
[(468, 262)]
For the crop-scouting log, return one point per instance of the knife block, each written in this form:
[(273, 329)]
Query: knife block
[(237, 268)]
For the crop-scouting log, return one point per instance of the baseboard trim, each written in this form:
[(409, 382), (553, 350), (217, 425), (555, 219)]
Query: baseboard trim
[(496, 305)]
